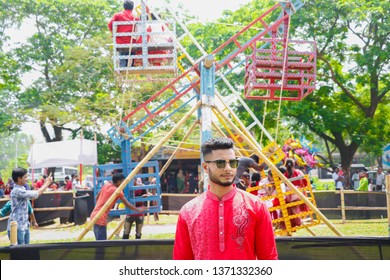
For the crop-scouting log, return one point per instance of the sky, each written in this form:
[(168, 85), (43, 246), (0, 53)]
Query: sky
[(205, 10), (211, 9)]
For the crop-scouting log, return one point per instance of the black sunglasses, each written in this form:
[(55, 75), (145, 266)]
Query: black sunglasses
[(222, 163)]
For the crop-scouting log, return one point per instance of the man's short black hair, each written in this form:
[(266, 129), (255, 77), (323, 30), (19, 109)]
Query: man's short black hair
[(289, 162), (128, 5), (255, 157), (216, 144), (256, 176), (117, 177), (282, 169), (66, 177), (18, 172)]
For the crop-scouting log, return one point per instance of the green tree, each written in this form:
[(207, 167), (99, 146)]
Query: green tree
[(350, 109), (77, 88), (14, 151), (9, 86), (60, 25)]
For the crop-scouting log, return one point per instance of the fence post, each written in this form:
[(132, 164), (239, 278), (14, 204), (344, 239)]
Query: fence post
[(342, 200), (14, 233)]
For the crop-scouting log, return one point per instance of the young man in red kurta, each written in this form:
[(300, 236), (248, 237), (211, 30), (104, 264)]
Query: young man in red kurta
[(224, 222)]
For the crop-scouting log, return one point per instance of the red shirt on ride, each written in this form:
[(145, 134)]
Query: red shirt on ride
[(126, 15)]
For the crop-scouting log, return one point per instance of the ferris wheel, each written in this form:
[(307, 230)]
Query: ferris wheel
[(276, 68)]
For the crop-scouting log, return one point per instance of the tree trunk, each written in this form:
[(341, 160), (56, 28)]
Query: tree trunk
[(57, 132), (347, 153), (380, 161), (57, 137)]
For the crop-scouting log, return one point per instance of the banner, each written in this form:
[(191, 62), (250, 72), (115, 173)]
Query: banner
[(386, 157), (63, 153)]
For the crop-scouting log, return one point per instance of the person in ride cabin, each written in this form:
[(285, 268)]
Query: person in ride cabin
[(125, 15), (291, 172), (243, 166), (224, 222), (157, 38), (245, 181)]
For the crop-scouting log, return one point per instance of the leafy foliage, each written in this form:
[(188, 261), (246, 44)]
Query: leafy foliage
[(77, 89), (14, 152), (349, 108), (61, 26)]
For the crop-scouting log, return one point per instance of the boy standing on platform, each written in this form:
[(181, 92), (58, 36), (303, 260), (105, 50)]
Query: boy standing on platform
[(19, 203)]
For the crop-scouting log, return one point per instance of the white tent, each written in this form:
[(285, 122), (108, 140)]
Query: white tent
[(63, 153)]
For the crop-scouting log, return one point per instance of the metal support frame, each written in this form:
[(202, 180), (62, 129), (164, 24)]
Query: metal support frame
[(268, 71), (238, 43), (102, 173), (207, 78), (207, 83)]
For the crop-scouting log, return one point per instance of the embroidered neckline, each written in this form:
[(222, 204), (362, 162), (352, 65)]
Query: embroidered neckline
[(226, 197)]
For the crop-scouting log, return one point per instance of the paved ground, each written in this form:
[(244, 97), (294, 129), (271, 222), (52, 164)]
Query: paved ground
[(56, 231)]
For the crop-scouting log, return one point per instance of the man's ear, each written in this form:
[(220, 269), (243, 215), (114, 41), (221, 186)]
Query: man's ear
[(204, 166)]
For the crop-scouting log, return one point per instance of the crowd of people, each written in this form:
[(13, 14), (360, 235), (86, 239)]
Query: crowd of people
[(186, 181), (21, 192), (359, 180), (70, 184), (5, 188), (265, 188)]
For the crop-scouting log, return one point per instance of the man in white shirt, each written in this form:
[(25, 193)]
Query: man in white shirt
[(380, 177), (338, 180)]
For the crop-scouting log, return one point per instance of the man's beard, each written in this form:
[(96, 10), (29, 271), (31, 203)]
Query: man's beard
[(215, 180)]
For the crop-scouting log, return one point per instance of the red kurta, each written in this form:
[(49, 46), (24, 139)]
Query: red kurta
[(236, 227)]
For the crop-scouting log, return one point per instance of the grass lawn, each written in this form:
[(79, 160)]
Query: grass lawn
[(56, 232), (69, 233), (375, 227)]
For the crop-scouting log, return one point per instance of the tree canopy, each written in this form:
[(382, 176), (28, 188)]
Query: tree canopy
[(76, 88), (350, 109)]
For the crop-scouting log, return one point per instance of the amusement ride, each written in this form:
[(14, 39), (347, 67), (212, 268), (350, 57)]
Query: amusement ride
[(276, 69)]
